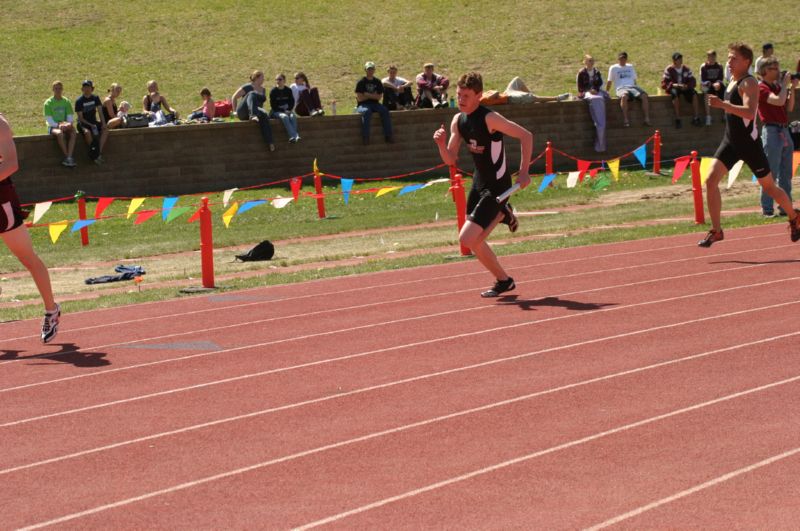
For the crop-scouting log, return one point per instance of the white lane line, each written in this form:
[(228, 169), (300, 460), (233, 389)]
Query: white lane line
[(427, 376), (387, 349), (440, 484), (697, 488), (379, 286), (534, 455), (394, 301)]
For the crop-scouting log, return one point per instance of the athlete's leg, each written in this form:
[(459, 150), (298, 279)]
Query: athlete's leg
[(19, 243), (474, 236), (713, 197)]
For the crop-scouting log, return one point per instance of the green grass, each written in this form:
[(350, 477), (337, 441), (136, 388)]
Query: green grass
[(187, 45)]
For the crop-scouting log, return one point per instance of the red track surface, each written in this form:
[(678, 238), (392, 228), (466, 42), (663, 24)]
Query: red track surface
[(645, 384)]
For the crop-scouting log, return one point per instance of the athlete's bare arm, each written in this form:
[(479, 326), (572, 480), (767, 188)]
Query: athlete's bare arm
[(8, 151), (495, 122), (448, 150), (748, 88)]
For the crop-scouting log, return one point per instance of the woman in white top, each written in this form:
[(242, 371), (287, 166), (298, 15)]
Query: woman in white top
[(306, 97)]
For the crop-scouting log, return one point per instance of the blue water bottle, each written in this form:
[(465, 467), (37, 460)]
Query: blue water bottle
[(452, 102)]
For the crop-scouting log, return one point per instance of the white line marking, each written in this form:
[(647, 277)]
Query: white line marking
[(697, 488), (414, 492)]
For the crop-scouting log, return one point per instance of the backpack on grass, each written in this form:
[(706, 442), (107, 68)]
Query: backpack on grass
[(263, 251)]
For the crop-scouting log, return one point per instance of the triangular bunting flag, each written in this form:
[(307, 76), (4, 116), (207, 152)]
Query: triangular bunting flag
[(435, 181), (40, 210), (194, 217), (705, 169), (177, 212), (136, 202), (250, 204), (641, 155), (410, 188), (167, 205), (226, 196), (734, 173), (228, 215), (315, 169), (144, 215), (347, 185), (795, 161), (546, 180), (102, 204), (680, 166), (593, 172), (56, 229), (602, 182), (296, 183), (81, 223), (755, 179), (280, 202), (583, 167), (613, 165), (572, 179), (384, 191)]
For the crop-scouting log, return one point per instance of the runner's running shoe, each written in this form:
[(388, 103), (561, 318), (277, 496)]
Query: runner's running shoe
[(711, 237), (510, 218), (794, 227), (501, 286), (50, 324)]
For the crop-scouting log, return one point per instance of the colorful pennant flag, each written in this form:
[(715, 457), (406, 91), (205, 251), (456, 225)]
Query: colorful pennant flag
[(81, 223), (56, 229), (296, 183), (601, 183), (167, 206), (194, 217), (583, 167), (40, 210), (409, 188), (641, 154), (280, 202), (734, 173), (795, 161), (228, 215), (102, 204), (384, 191), (136, 202), (144, 215), (315, 169), (546, 180), (347, 185), (572, 179), (177, 212), (593, 172), (250, 204), (705, 169), (680, 167), (613, 165), (435, 181), (226, 196)]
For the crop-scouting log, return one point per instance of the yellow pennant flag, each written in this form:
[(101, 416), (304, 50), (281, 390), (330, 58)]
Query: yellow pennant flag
[(384, 191), (228, 215), (56, 229), (316, 169), (613, 165), (136, 202), (705, 169)]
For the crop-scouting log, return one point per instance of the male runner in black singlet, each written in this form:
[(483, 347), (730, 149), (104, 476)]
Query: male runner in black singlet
[(483, 131), (741, 142)]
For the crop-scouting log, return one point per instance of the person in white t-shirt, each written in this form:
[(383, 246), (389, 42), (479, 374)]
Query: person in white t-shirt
[(397, 91), (623, 76)]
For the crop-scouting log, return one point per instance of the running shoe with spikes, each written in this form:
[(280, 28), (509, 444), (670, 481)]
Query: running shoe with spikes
[(711, 237), (501, 286), (50, 324), (794, 226)]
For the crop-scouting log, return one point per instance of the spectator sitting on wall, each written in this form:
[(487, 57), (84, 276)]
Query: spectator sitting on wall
[(204, 113), (254, 96), (712, 81), (623, 76), (396, 91), (678, 81), (306, 97), (369, 91), (59, 117), (111, 115), (590, 90), (86, 107), (281, 103), (153, 101), (432, 88)]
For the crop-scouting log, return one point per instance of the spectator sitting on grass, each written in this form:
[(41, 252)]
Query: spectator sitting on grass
[(679, 81), (153, 101), (111, 115), (432, 88), (86, 107), (369, 91), (306, 97), (396, 91), (623, 76), (59, 116), (204, 113), (254, 96), (281, 102)]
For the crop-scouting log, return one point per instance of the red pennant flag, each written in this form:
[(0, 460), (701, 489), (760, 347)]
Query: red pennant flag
[(593, 172), (195, 216), (102, 204), (144, 215), (680, 166), (583, 167), (296, 183)]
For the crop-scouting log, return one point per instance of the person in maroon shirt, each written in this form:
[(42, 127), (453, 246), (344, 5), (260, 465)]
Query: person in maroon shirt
[(679, 81), (776, 97), (712, 80)]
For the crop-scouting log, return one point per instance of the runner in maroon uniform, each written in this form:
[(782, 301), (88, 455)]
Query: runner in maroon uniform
[(15, 234)]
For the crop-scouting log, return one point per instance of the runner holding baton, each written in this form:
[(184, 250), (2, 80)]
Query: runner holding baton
[(483, 130)]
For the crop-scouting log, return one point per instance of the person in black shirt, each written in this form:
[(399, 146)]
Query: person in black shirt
[(483, 131), (281, 102), (254, 96), (369, 91), (86, 108)]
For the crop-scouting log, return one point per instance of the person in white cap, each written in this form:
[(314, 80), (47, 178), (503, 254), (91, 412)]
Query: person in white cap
[(369, 91)]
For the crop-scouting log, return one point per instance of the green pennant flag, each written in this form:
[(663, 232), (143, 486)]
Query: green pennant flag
[(601, 182), (176, 212)]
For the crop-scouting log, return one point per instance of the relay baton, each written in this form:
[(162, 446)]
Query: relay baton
[(505, 195)]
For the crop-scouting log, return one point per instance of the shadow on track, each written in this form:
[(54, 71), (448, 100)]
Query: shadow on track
[(70, 353), (532, 304)]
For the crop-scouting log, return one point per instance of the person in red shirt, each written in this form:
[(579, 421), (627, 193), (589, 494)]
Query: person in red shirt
[(776, 97), (679, 81)]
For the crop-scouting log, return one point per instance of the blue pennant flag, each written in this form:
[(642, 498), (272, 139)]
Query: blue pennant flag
[(641, 154), (755, 179), (250, 204), (169, 203), (81, 224), (347, 185), (410, 188), (546, 181)]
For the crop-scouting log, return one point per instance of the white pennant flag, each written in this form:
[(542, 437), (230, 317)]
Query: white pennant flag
[(572, 179), (226, 197), (280, 202), (435, 181), (734, 173), (40, 210)]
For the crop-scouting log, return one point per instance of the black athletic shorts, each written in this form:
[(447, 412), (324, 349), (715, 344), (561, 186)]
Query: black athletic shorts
[(750, 151), (11, 213), (482, 207)]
